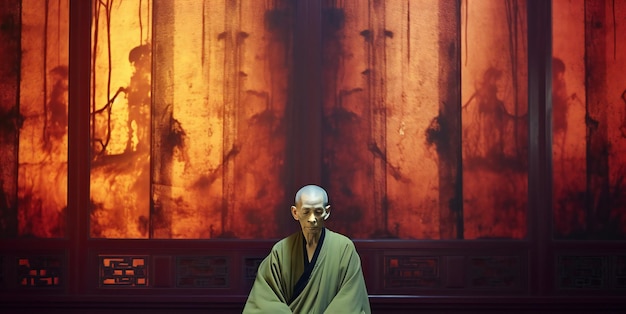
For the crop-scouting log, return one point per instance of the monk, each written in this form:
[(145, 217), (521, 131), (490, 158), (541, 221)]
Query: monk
[(314, 270)]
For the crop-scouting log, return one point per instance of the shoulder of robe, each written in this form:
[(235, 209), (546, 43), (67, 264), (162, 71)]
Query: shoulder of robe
[(340, 239), (285, 242)]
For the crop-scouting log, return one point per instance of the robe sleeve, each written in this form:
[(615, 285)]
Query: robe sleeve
[(352, 294), (268, 293)]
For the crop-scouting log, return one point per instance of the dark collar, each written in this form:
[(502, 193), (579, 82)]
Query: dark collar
[(317, 249), (308, 266)]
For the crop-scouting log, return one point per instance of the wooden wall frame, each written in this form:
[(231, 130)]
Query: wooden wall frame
[(516, 276)]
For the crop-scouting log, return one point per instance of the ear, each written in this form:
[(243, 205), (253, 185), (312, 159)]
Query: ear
[(327, 212), (294, 212)]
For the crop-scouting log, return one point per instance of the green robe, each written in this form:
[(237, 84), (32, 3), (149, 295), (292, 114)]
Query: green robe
[(336, 284)]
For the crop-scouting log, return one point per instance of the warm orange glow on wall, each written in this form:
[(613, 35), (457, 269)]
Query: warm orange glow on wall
[(214, 97), (424, 118), (120, 122), (393, 115), (9, 115), (494, 78), (42, 150), (589, 119), (381, 82), (193, 145)]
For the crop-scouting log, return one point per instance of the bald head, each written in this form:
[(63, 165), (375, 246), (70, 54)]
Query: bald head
[(311, 209), (311, 191)]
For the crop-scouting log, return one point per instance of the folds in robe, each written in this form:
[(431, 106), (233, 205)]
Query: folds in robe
[(336, 284)]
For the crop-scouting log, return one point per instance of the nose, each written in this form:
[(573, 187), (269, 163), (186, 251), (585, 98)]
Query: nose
[(312, 219)]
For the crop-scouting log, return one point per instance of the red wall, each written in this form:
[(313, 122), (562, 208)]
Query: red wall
[(535, 274)]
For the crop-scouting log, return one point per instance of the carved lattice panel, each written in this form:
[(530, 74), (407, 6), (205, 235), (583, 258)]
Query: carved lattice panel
[(202, 272), (494, 272), (412, 272), (123, 271), (581, 272), (2, 281), (251, 266), (620, 272), (40, 271)]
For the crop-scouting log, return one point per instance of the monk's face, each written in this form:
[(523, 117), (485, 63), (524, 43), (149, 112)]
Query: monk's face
[(311, 212)]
